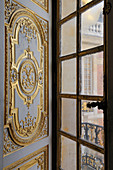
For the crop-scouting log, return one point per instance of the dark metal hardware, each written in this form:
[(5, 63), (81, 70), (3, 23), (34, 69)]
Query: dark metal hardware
[(60, 168), (107, 8), (100, 105)]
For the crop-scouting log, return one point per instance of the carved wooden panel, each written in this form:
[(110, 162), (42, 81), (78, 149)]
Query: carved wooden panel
[(26, 77), (36, 160), (42, 3)]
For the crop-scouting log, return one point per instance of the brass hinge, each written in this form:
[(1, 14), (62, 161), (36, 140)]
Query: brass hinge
[(107, 8)]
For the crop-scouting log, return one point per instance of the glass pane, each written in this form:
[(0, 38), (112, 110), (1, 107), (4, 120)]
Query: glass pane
[(68, 154), (68, 37), (68, 76), (92, 27), (92, 124), (68, 115), (91, 74), (84, 2), (91, 159), (67, 7)]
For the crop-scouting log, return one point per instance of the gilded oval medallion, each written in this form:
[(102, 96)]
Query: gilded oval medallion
[(27, 77)]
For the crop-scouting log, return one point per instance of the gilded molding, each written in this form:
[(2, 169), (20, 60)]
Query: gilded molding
[(28, 77), (44, 4), (38, 158)]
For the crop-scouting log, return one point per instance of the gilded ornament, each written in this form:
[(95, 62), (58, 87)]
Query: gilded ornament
[(38, 158), (10, 7), (14, 75), (27, 126), (9, 145), (28, 77), (42, 3)]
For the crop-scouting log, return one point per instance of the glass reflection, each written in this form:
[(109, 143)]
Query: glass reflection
[(68, 115), (68, 76), (84, 2), (67, 7), (68, 154), (68, 37)]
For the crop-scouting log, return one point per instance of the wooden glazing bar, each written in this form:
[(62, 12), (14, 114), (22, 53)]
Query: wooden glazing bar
[(78, 123), (106, 157), (91, 51), (72, 15), (54, 86), (82, 142), (89, 5), (91, 146), (58, 164), (67, 135), (87, 97), (81, 97), (82, 9), (67, 57), (58, 88), (72, 96)]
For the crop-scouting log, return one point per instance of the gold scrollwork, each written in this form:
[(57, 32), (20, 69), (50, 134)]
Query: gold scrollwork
[(42, 3), (27, 77), (9, 145), (10, 7)]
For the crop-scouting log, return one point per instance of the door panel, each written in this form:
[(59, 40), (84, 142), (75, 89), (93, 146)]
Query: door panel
[(35, 160), (26, 106)]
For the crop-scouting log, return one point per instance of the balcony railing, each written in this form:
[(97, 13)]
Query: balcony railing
[(93, 133), (94, 30), (93, 162)]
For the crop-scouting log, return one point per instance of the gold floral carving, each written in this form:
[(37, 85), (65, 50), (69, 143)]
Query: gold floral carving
[(27, 77), (38, 158), (9, 145), (42, 3), (27, 126), (29, 29), (10, 7)]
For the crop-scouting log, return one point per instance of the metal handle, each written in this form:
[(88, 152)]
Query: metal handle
[(100, 105), (107, 8)]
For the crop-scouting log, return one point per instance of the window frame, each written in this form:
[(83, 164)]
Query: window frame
[(57, 96)]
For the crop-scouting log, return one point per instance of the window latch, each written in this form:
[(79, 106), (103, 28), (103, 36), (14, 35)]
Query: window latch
[(100, 105), (107, 8)]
